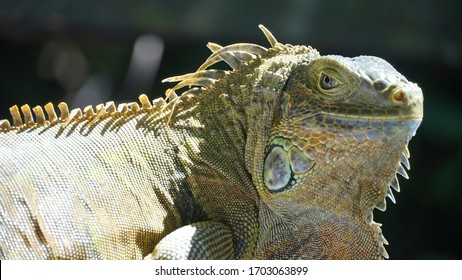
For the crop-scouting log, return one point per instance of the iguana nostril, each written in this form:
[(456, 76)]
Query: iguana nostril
[(399, 96)]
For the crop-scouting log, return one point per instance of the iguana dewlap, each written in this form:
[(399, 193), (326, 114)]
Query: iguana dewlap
[(284, 156)]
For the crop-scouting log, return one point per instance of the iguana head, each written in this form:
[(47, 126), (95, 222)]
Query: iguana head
[(337, 141), (351, 115)]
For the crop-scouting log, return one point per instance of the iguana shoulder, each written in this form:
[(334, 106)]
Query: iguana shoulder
[(285, 155)]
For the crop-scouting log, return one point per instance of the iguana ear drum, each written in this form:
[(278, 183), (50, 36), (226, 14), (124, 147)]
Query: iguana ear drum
[(284, 163), (277, 172)]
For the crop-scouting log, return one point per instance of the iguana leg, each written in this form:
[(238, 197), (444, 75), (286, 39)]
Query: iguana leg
[(197, 241)]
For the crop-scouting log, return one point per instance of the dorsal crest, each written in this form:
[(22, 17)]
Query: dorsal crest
[(65, 116), (235, 55)]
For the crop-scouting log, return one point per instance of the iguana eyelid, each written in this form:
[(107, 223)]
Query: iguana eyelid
[(336, 90), (334, 80)]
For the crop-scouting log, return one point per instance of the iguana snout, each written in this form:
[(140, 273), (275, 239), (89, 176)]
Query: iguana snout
[(387, 92)]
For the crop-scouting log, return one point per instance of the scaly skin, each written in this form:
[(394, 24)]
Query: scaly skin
[(284, 157)]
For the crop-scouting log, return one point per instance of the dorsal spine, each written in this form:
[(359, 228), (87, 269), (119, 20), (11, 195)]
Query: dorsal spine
[(65, 117)]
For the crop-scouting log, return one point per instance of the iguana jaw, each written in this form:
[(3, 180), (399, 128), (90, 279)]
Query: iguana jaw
[(371, 159), (351, 198)]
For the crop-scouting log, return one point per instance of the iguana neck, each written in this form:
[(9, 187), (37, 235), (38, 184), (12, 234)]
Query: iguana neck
[(231, 119), (213, 156)]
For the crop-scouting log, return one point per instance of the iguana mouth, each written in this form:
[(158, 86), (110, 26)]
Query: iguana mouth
[(398, 101), (339, 116)]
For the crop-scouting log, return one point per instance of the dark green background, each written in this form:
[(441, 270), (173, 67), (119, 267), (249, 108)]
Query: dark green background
[(93, 42)]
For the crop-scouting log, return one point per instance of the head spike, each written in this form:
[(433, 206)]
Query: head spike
[(231, 60), (269, 36), (201, 82), (205, 74), (239, 47), (242, 56), (213, 47)]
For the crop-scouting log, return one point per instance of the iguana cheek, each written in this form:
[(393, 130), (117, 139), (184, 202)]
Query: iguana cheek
[(277, 171)]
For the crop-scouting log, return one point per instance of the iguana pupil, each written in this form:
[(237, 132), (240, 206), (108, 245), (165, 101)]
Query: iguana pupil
[(328, 82)]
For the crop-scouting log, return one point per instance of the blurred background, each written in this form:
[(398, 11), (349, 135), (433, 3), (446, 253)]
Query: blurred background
[(87, 52)]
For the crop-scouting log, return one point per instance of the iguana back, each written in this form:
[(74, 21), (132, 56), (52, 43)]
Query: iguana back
[(284, 156)]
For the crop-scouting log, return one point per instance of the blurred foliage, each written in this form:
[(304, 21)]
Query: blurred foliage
[(93, 44)]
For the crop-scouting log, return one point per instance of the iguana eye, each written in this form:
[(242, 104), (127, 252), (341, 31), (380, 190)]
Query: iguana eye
[(327, 82)]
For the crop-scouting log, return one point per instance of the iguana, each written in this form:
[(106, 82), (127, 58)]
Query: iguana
[(283, 156)]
